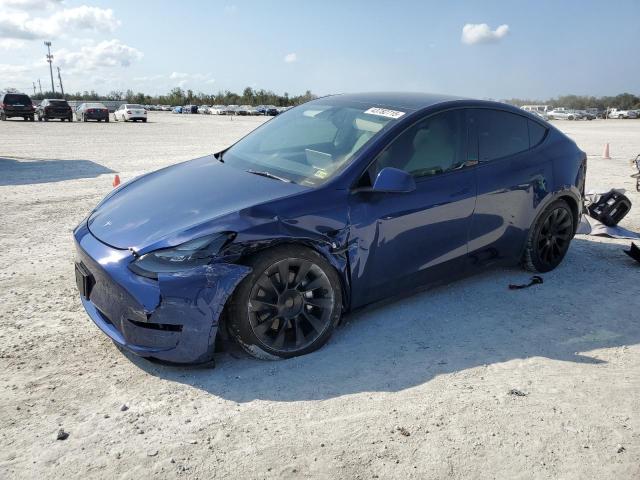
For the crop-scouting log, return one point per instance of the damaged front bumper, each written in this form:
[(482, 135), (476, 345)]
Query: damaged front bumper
[(174, 318)]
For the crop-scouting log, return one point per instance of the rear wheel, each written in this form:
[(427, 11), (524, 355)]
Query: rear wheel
[(288, 305), (549, 238)]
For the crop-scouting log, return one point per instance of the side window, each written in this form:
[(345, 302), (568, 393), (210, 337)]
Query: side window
[(429, 147), (536, 133), (500, 134)]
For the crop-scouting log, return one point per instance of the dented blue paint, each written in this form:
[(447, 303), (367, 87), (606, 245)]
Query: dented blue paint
[(380, 243)]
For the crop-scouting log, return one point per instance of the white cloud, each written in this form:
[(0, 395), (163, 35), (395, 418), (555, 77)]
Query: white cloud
[(109, 53), (11, 44), (29, 4), (20, 25), (476, 33), (290, 58)]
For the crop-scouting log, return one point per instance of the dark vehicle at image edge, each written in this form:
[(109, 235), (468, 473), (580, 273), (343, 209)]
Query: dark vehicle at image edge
[(92, 111), (330, 206), (16, 105), (54, 108)]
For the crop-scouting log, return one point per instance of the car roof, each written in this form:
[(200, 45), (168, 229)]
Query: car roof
[(406, 100)]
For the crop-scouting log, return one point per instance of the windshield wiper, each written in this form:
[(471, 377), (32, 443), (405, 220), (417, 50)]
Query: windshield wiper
[(269, 175)]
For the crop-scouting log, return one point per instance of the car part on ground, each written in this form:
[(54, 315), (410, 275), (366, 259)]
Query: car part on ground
[(608, 208), (535, 280), (633, 252)]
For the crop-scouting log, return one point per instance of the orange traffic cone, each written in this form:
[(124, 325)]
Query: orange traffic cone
[(605, 154), (116, 181)]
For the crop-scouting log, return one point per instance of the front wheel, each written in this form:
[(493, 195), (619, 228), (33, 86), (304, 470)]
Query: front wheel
[(549, 238), (288, 305)]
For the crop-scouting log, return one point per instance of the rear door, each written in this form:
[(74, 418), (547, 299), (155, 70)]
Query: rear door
[(513, 178), (410, 239)]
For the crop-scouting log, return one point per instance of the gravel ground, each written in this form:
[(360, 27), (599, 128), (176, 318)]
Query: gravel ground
[(469, 380)]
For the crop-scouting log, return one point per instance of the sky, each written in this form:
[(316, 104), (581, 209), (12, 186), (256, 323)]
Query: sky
[(484, 49)]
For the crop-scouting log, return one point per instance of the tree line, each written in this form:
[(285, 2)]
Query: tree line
[(179, 96), (624, 101)]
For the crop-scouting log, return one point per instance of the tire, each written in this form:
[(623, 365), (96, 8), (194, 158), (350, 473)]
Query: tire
[(3, 117), (84, 118), (549, 238), (70, 118), (271, 319), (32, 118), (144, 120), (106, 119)]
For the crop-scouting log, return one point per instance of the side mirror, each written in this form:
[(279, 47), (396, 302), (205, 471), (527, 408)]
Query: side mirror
[(393, 180)]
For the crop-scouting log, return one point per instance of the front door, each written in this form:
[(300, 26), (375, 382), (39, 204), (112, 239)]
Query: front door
[(406, 240)]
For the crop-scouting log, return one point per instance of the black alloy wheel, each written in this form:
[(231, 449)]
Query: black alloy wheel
[(550, 238), (288, 305)]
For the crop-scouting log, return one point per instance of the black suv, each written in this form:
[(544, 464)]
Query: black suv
[(16, 105), (54, 108)]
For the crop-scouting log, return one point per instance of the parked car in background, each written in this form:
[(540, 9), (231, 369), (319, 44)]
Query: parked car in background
[(14, 104), (130, 112), (243, 110), (230, 110), (615, 113), (92, 111), (216, 109), (271, 110), (54, 108), (586, 115), (203, 109), (539, 114), (562, 114), (596, 112), (177, 109), (341, 202)]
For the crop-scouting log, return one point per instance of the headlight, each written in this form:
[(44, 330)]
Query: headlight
[(191, 254)]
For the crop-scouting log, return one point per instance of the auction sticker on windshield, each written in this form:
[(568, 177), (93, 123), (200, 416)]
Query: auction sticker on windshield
[(383, 112)]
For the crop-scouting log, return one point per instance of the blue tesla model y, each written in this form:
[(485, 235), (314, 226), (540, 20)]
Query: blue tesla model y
[(333, 205)]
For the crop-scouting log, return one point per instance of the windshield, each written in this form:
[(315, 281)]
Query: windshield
[(134, 106), (310, 143), (58, 102)]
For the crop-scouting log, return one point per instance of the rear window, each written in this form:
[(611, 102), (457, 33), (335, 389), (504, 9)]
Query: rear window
[(500, 134), (536, 133), (59, 103), (16, 99), (134, 106)]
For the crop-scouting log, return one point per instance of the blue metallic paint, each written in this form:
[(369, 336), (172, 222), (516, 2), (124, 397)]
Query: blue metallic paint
[(379, 243)]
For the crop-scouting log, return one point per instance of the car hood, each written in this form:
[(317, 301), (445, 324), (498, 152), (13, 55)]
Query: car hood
[(174, 199)]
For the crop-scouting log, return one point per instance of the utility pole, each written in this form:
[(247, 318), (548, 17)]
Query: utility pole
[(34, 89), (50, 60), (40, 86), (60, 78)]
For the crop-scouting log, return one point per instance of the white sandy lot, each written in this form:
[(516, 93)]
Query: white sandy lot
[(418, 388)]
